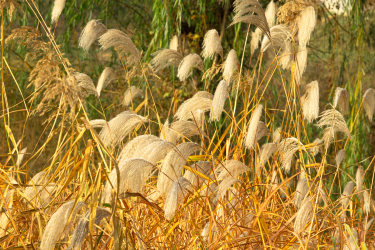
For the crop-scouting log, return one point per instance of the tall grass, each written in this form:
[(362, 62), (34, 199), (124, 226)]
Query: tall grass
[(247, 154)]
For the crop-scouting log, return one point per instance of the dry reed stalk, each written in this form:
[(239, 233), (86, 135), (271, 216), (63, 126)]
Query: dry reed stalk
[(58, 223), (266, 151), (177, 193), (120, 126), (187, 64), (341, 100), (173, 44), (211, 45), (165, 58), (4, 216), (132, 93), (310, 102), (230, 65), (306, 22), (173, 164), (221, 94), (58, 7), (122, 42), (369, 103), (107, 77), (253, 127), (92, 31)]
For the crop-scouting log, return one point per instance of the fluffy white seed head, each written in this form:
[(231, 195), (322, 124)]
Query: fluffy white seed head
[(231, 64), (271, 14), (107, 77), (310, 101), (253, 127), (266, 151), (174, 43), (221, 94), (306, 22), (369, 103), (256, 36), (211, 45), (57, 9), (341, 100), (92, 31), (187, 64), (340, 156), (132, 93), (300, 64)]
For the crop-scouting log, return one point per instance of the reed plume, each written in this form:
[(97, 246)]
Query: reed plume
[(125, 166), (177, 193), (120, 126), (245, 11), (82, 229), (155, 151), (302, 190), (369, 103), (232, 168), (340, 156), (92, 31), (86, 83), (270, 14), (277, 135), (341, 100), (203, 94), (351, 244), (318, 147), (274, 181), (20, 157), (98, 123), (208, 230), (107, 77), (310, 101), (164, 58), (286, 56), (173, 165), (221, 94), (39, 193), (225, 185), (256, 36), (211, 45), (304, 215), (137, 176), (253, 127), (203, 167), (266, 151), (58, 7), (173, 44), (346, 194), (306, 22), (230, 65), (286, 149), (136, 145), (262, 131), (301, 62), (187, 64), (359, 180), (58, 223), (181, 129), (122, 42), (366, 202), (190, 107), (280, 38), (132, 93)]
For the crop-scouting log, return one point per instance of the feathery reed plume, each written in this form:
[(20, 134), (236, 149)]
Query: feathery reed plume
[(256, 36), (328, 135), (302, 190), (368, 225), (187, 64), (98, 123), (230, 65), (221, 94), (58, 223), (303, 217), (369, 103), (36, 193), (58, 7), (122, 42), (107, 77), (262, 131), (5, 217), (253, 127), (132, 93), (85, 82), (266, 151), (310, 101), (92, 31), (232, 168), (366, 202), (306, 22), (277, 135), (137, 176), (173, 165), (203, 94), (359, 180), (21, 156), (225, 185), (203, 167), (274, 181), (301, 62), (155, 151), (181, 129), (346, 194), (208, 230), (173, 44), (164, 58), (318, 147), (211, 45), (177, 193), (245, 12), (351, 244), (340, 156), (286, 149), (124, 166), (120, 126), (190, 107), (82, 229), (286, 56), (136, 145), (341, 100), (280, 38), (270, 14)]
